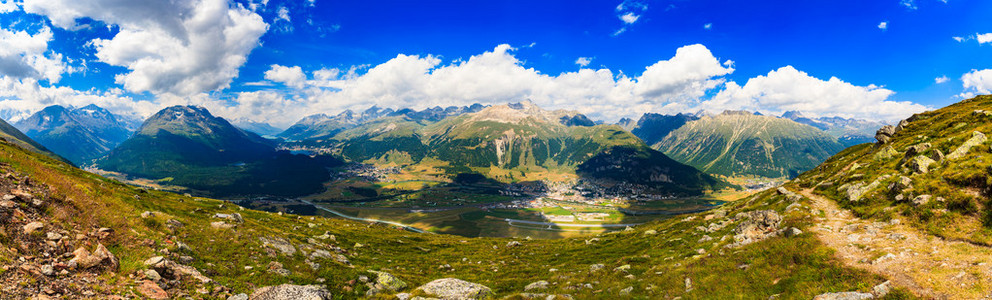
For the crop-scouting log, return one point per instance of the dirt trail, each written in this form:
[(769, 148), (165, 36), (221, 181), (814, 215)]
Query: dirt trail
[(929, 266)]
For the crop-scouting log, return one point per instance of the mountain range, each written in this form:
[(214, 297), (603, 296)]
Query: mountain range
[(740, 143), (189, 147), (849, 132), (13, 135), (78, 134)]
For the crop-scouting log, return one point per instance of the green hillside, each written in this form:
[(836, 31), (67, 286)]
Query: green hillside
[(507, 142), (209, 252), (11, 134), (744, 144), (188, 147), (934, 171)]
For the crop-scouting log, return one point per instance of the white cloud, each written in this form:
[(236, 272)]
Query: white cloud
[(497, 76), (883, 25), (312, 2), (629, 18), (290, 76), (910, 4), (959, 39), (583, 61), (283, 14), (689, 74), (7, 6), (941, 79), (23, 55), (182, 47), (788, 89), (20, 97), (629, 11), (984, 38), (708, 26), (977, 82)]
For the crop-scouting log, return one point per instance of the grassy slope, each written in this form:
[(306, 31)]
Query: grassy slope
[(963, 183), (745, 144), (798, 267)]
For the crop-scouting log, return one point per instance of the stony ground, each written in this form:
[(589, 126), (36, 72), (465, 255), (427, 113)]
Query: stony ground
[(929, 266)]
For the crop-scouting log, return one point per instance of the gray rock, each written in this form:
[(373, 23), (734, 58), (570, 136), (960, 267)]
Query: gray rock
[(291, 292), (241, 296), (844, 296), (236, 217), (513, 244), (626, 291), (792, 231), (30, 228), (755, 226), (456, 289), (977, 138), (921, 200), (47, 270), (884, 134), (153, 275), (920, 164), (388, 282), (596, 267), (279, 244), (537, 285), (882, 289)]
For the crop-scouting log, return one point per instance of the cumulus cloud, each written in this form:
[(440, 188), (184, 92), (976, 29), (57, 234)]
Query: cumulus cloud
[(7, 6), (290, 76), (182, 47), (941, 79), (984, 38), (494, 77), (583, 61), (788, 89), (708, 26), (26, 55), (976, 82), (20, 97), (883, 25), (687, 75)]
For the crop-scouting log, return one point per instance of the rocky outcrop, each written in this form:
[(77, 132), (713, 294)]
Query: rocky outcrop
[(884, 134), (844, 296), (101, 256), (977, 138), (291, 292), (456, 289), (755, 226), (279, 244), (384, 283)]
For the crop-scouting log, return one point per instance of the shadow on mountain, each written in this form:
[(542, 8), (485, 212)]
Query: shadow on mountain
[(651, 182)]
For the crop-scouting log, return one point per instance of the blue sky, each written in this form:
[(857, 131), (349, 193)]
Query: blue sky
[(276, 61)]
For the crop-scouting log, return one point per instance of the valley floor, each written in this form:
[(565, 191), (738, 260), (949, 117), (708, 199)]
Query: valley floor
[(929, 266)]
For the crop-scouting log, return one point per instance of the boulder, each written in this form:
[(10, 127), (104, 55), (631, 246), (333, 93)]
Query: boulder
[(83, 259), (902, 125), (279, 244), (755, 226), (235, 217), (884, 134), (456, 289), (792, 231), (537, 285), (882, 289), (388, 282), (291, 292), (152, 291), (844, 296), (977, 138), (921, 200), (920, 164), (30, 228)]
